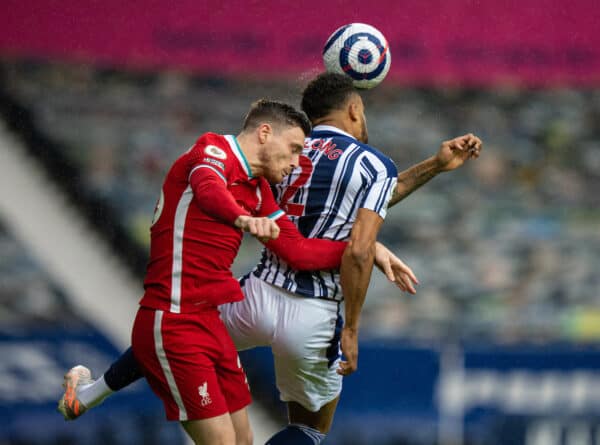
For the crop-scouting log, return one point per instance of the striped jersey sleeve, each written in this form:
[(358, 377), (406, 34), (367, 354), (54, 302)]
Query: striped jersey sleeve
[(379, 182)]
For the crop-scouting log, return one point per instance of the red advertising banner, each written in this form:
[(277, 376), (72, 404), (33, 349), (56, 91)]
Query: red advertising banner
[(536, 42)]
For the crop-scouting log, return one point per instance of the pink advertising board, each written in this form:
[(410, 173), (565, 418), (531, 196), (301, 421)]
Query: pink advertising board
[(473, 42)]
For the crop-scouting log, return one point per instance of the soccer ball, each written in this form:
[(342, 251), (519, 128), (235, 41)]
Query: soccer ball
[(361, 52)]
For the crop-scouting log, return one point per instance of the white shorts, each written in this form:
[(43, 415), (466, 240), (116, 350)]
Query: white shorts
[(303, 334)]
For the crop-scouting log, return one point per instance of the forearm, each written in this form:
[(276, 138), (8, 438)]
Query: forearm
[(317, 254), (357, 265), (411, 179), (302, 253)]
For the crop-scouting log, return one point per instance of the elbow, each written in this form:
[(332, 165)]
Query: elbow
[(360, 253)]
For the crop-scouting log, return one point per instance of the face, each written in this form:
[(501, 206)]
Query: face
[(281, 152)]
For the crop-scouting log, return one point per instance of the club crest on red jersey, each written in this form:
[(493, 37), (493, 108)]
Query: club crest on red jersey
[(215, 152)]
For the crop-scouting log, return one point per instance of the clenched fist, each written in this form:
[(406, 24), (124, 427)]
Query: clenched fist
[(264, 229)]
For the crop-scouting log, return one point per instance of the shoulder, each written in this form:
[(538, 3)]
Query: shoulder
[(213, 149), (213, 145), (379, 160)]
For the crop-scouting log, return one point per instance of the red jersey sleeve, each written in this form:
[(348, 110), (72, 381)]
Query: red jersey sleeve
[(291, 246), (211, 168)]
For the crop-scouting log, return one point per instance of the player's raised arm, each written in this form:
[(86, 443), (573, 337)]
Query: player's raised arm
[(451, 155)]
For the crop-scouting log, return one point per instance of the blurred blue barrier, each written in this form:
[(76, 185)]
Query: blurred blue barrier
[(31, 373), (474, 394)]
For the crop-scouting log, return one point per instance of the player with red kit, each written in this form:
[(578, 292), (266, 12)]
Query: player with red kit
[(213, 192)]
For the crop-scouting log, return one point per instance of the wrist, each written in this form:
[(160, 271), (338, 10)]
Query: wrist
[(436, 164), (351, 328), (240, 221)]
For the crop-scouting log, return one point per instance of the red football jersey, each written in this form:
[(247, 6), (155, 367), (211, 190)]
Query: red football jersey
[(193, 240)]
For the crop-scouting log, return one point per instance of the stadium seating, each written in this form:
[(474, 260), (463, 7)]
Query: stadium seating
[(484, 241)]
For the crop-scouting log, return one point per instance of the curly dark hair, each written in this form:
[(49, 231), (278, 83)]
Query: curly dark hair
[(277, 113), (325, 93)]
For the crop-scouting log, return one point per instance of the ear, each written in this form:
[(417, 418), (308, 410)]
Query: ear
[(353, 112), (264, 132)]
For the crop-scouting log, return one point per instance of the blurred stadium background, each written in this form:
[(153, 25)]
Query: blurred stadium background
[(500, 346)]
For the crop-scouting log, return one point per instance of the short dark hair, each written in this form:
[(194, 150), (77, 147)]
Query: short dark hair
[(325, 93), (276, 112)]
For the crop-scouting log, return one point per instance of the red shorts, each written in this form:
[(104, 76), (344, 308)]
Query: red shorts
[(190, 362)]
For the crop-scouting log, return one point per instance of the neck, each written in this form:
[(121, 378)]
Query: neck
[(251, 150), (336, 122)]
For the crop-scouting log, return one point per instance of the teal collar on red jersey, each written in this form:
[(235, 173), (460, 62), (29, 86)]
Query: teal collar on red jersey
[(237, 151)]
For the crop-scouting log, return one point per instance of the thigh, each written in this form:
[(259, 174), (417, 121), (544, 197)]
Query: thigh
[(177, 353), (231, 376), (251, 321), (145, 342), (306, 352)]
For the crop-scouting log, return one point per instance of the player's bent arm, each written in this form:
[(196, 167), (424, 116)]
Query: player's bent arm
[(302, 253), (213, 197), (451, 155), (357, 264), (414, 177)]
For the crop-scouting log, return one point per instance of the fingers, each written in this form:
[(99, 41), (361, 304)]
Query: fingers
[(468, 143), (399, 273), (349, 346), (407, 284), (473, 144), (404, 269), (274, 230), (388, 271), (383, 260), (346, 368), (457, 144), (264, 229)]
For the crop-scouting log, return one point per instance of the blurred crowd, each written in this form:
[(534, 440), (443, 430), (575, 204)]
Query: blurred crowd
[(507, 249)]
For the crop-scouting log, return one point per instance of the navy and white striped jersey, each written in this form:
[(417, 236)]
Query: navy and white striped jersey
[(337, 176)]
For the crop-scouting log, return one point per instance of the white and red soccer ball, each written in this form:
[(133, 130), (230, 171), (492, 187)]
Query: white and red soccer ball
[(359, 51)]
